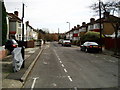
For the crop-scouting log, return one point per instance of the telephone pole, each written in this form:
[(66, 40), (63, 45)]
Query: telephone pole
[(100, 23), (58, 34), (23, 51)]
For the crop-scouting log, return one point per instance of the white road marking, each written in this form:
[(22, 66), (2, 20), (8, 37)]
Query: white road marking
[(104, 58), (31, 51), (60, 61), (58, 58), (111, 61), (54, 84), (65, 70), (70, 78), (34, 81), (63, 65), (75, 88)]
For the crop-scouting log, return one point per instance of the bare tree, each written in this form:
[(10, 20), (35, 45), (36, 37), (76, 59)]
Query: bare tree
[(112, 7)]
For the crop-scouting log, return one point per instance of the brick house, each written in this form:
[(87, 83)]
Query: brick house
[(14, 25), (83, 29)]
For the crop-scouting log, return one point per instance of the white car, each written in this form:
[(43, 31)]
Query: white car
[(60, 41), (66, 43)]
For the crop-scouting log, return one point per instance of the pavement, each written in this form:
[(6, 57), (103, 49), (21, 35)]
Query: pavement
[(111, 53), (12, 79)]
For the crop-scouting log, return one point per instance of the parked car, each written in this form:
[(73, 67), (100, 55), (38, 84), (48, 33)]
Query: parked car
[(11, 44), (60, 41), (90, 46), (66, 43)]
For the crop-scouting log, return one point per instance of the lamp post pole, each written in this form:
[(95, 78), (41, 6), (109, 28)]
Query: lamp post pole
[(58, 35), (69, 28), (23, 52), (100, 24)]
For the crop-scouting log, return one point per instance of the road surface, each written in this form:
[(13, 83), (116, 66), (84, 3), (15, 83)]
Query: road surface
[(68, 67)]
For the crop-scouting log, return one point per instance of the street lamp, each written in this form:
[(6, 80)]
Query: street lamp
[(23, 51), (69, 28), (100, 24)]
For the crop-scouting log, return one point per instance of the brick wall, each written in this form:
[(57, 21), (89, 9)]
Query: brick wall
[(3, 53)]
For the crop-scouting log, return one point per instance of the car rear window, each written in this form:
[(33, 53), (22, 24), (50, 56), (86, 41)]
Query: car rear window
[(66, 41), (92, 43), (14, 41)]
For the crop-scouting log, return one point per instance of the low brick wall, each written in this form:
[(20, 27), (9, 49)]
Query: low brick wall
[(27, 44), (30, 44), (3, 53)]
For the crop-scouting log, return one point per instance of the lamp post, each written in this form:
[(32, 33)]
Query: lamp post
[(100, 24), (23, 52), (69, 28)]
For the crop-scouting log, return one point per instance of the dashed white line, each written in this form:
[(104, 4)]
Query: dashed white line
[(75, 88), (65, 70), (60, 61), (63, 65), (70, 78), (58, 58)]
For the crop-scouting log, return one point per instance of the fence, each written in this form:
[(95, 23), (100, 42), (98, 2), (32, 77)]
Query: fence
[(112, 43)]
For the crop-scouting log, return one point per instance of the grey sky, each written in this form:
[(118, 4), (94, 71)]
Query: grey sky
[(53, 14)]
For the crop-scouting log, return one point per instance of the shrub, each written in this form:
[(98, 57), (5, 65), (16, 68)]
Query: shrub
[(91, 36)]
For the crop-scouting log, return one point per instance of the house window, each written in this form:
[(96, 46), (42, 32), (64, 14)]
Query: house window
[(90, 27), (19, 24)]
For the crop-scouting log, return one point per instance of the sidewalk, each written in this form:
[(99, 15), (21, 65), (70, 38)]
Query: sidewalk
[(111, 53), (16, 80)]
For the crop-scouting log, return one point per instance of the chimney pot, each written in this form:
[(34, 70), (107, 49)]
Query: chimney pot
[(92, 20), (16, 13)]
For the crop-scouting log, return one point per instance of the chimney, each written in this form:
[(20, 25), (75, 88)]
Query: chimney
[(83, 23), (75, 27), (78, 25), (16, 13), (92, 20), (106, 14), (27, 23)]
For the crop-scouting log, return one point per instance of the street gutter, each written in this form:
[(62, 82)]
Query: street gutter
[(24, 77)]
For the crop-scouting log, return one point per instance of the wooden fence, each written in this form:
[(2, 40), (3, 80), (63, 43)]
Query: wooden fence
[(112, 43)]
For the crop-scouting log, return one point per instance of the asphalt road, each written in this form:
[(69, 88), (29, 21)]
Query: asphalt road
[(68, 67)]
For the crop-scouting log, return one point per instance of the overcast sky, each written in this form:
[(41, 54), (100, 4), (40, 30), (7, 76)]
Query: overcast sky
[(53, 14)]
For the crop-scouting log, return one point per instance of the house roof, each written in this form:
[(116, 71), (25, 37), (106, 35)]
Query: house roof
[(110, 18), (14, 17)]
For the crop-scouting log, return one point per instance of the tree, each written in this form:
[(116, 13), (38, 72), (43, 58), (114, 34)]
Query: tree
[(112, 7), (4, 24)]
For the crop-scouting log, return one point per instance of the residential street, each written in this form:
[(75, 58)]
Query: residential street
[(68, 67)]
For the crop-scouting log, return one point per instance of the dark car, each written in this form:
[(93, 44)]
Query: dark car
[(11, 44), (90, 46)]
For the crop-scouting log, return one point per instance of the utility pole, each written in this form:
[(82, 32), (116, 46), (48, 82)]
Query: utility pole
[(69, 28), (23, 52), (58, 34), (100, 24)]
